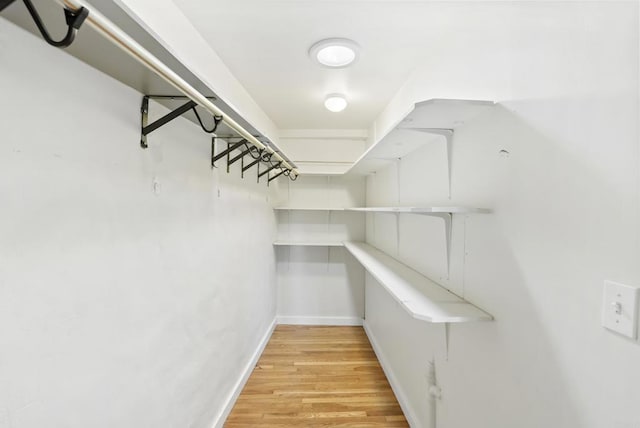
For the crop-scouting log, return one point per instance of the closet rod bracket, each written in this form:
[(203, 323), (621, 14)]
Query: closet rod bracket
[(147, 128), (73, 18)]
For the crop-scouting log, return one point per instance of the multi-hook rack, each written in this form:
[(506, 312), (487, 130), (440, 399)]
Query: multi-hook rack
[(76, 15), (257, 155)]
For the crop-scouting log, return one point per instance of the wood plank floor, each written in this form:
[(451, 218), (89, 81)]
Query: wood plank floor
[(317, 377)]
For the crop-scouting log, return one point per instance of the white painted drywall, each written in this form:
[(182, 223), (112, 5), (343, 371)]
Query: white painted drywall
[(135, 285), (566, 217), (323, 151), (320, 285)]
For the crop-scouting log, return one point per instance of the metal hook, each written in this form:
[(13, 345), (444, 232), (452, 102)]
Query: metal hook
[(5, 3), (216, 120), (74, 20)]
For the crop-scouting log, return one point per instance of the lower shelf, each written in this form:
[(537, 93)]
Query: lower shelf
[(308, 244), (422, 298)]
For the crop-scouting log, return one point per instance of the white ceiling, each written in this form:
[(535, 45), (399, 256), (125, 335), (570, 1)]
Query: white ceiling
[(265, 44)]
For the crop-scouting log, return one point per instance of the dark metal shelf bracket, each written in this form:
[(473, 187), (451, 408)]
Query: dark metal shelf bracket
[(226, 152), (147, 128), (249, 165), (266, 171), (277, 175)]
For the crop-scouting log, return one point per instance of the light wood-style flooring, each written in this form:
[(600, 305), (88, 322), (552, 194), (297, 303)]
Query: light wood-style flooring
[(317, 377)]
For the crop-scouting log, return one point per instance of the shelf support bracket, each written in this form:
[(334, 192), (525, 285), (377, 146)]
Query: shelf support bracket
[(448, 136), (147, 128), (447, 333), (448, 222), (225, 152), (277, 175), (238, 157), (266, 171), (249, 165)]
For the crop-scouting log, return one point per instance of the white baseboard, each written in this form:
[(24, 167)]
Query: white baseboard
[(237, 389), (393, 380), (294, 320)]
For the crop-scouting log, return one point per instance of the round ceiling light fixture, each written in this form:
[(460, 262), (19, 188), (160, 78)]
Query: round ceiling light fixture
[(334, 53), (335, 102)]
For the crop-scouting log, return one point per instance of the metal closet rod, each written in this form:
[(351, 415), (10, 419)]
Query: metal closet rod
[(118, 37)]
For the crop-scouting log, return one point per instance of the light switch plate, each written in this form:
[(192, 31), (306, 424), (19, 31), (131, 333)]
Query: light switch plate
[(620, 308)]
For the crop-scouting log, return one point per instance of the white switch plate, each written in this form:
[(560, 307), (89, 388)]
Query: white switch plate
[(620, 308)]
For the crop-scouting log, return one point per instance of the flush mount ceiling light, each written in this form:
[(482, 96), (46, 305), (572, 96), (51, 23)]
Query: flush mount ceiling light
[(334, 53), (335, 102)]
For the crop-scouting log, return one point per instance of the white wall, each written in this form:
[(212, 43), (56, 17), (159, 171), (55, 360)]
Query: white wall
[(323, 151), (120, 306), (320, 285), (566, 217)]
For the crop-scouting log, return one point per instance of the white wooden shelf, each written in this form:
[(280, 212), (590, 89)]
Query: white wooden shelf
[(422, 298), (428, 121), (308, 209), (422, 210), (308, 244), (322, 168)]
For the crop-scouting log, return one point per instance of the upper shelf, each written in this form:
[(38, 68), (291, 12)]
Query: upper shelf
[(422, 298), (95, 50), (423, 210), (322, 168), (420, 126), (439, 113)]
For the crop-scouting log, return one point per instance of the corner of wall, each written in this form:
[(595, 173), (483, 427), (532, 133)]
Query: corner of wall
[(244, 377), (392, 378)]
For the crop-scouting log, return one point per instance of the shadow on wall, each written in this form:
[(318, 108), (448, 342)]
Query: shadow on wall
[(564, 220)]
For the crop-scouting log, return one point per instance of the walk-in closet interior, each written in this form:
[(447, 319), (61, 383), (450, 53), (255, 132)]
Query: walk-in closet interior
[(316, 213)]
